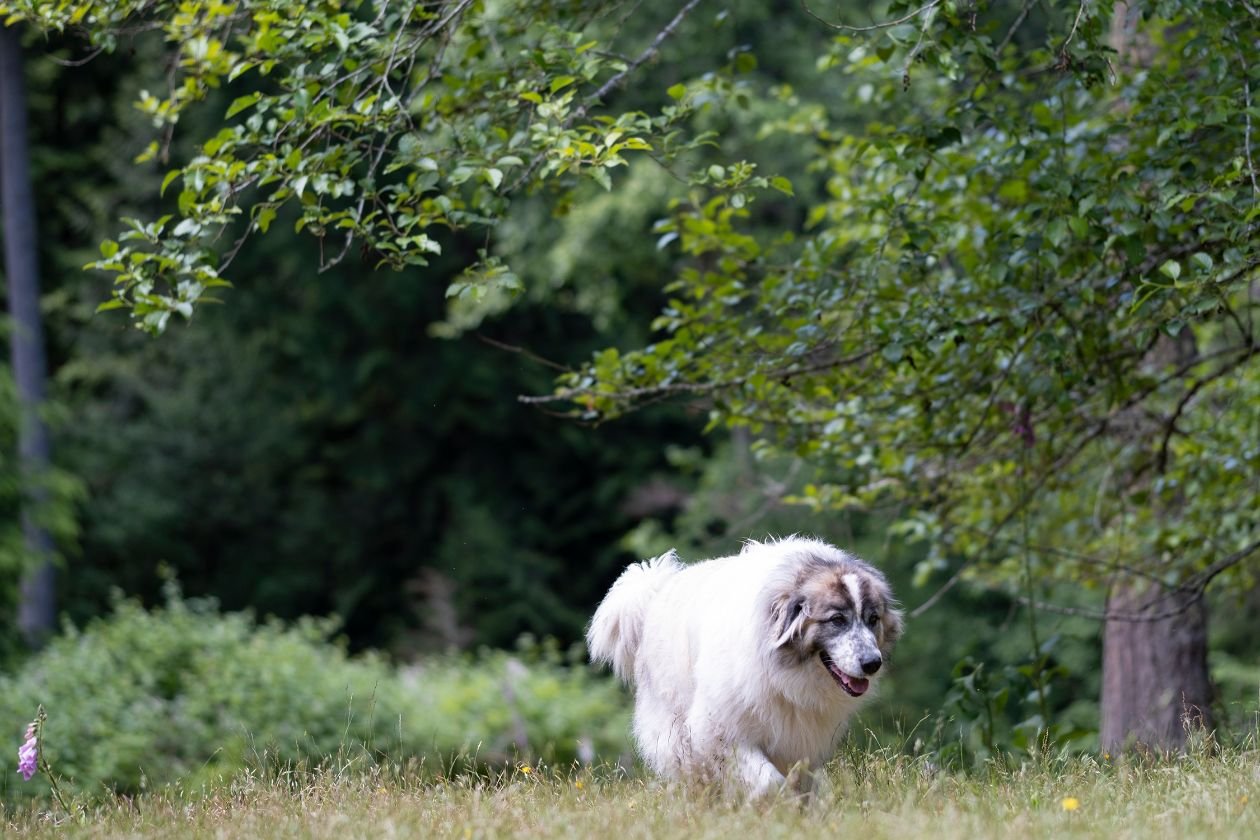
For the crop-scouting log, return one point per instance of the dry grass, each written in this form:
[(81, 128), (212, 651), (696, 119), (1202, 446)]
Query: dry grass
[(870, 797)]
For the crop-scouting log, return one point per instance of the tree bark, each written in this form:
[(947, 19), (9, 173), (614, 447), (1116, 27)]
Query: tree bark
[(37, 594), (1156, 686)]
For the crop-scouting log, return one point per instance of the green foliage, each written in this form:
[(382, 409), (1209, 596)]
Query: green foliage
[(1027, 317), (349, 455), (144, 698), (996, 712), (377, 124), (56, 493), (991, 268), (313, 429)]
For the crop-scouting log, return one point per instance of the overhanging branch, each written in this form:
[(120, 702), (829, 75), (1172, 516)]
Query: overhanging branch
[(1193, 586)]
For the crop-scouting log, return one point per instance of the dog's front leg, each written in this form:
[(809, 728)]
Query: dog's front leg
[(758, 776)]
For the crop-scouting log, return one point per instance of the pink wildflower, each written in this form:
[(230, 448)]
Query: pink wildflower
[(28, 757)]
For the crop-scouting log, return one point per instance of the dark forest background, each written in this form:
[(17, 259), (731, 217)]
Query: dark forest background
[(330, 444)]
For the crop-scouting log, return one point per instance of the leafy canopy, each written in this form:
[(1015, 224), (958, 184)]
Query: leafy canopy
[(1025, 304), (372, 125), (1025, 295)]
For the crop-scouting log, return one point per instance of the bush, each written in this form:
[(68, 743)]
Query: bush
[(146, 697)]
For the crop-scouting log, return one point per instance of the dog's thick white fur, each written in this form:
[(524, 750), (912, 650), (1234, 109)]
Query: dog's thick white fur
[(746, 668)]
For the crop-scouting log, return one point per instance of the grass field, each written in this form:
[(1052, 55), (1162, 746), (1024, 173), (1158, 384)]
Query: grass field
[(870, 796)]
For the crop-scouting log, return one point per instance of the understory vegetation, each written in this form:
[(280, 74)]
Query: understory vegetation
[(185, 694)]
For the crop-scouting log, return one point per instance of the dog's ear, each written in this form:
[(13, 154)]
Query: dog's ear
[(891, 630), (788, 618)]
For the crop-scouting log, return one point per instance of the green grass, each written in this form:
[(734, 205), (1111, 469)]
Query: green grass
[(870, 796)]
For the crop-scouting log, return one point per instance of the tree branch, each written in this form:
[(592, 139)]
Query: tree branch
[(1019, 21), (1170, 424), (884, 25), (533, 357), (672, 388), (608, 86), (651, 50), (1194, 586)]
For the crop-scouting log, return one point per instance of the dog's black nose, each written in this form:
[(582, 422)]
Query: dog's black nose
[(870, 666)]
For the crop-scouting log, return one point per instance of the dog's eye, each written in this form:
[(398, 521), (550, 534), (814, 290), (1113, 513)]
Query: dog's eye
[(872, 620), (840, 620)]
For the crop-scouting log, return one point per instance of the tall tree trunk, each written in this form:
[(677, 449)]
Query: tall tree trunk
[(37, 604), (1155, 674)]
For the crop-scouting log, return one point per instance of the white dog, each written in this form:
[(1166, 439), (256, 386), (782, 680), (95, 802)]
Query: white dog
[(746, 668)]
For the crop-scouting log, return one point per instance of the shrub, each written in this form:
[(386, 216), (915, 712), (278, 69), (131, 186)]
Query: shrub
[(184, 692)]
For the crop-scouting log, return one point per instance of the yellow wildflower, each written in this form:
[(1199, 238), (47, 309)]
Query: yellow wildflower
[(1071, 803)]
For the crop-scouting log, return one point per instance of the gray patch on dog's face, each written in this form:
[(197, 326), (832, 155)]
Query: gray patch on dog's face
[(849, 623)]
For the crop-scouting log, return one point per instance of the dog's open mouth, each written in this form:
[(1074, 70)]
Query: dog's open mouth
[(855, 686)]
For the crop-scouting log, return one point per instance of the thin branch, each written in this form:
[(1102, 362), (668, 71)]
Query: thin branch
[(651, 50), (1080, 11), (938, 594), (78, 62), (885, 25), (533, 357), (1074, 556), (393, 55), (1171, 424), (1193, 586), (607, 87), (918, 46), (1251, 164), (667, 389), (1019, 21), (345, 248)]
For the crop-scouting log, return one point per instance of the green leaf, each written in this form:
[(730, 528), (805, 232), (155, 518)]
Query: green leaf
[(109, 248), (561, 82), (1202, 261), (1056, 232), (241, 103), (1171, 269), (947, 136), (677, 91), (170, 176), (266, 215), (782, 184)]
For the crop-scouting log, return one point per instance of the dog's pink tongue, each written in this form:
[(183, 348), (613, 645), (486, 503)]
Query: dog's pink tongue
[(856, 684)]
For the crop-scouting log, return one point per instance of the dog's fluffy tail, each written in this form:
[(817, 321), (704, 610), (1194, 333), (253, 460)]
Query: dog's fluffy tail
[(617, 628)]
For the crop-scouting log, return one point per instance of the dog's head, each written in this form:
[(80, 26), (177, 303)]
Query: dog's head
[(835, 613)]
